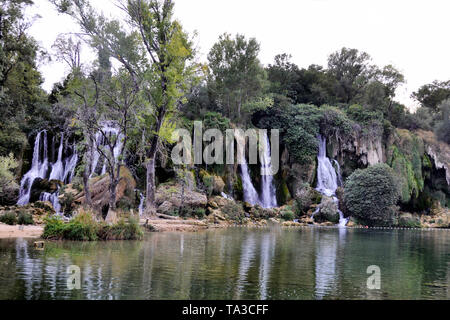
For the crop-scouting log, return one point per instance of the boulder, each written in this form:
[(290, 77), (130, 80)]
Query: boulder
[(173, 193), (99, 188), (165, 207), (43, 185), (328, 211), (217, 202), (408, 220), (219, 185)]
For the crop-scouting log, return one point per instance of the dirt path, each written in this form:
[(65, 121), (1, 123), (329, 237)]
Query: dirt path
[(7, 231), (163, 225)]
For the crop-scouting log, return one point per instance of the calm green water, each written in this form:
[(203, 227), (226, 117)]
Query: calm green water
[(236, 263)]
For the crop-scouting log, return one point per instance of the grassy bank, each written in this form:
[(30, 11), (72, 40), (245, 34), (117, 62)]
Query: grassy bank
[(85, 228)]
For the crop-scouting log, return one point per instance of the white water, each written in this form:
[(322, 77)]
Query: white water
[(327, 179), (38, 169), (250, 194), (57, 172), (53, 199), (108, 130), (62, 170), (141, 204), (268, 197)]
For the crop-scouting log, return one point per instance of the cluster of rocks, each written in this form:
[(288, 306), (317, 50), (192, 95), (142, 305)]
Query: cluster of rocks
[(38, 210)]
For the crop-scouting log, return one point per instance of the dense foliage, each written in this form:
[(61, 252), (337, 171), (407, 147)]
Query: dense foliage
[(147, 80), (85, 228), (370, 195)]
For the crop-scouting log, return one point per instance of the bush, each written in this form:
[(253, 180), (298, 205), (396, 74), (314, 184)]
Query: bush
[(25, 218), (370, 195), (9, 218), (123, 230), (234, 210), (84, 228), (287, 214)]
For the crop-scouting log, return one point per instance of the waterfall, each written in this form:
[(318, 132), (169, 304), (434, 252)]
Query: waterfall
[(108, 130), (267, 199), (53, 199), (141, 204), (57, 172), (327, 179), (70, 165), (38, 168), (268, 195), (62, 169), (326, 175), (250, 194)]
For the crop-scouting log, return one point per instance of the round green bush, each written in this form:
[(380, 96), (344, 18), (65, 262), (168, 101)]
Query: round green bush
[(371, 194), (9, 218), (25, 218)]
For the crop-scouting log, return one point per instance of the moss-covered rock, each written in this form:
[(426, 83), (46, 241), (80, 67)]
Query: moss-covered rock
[(328, 211)]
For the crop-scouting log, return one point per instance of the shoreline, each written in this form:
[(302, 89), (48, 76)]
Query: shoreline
[(181, 225), (19, 231)]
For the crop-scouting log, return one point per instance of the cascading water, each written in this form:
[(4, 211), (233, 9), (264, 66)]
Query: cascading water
[(141, 204), (62, 170), (57, 172), (267, 199), (327, 179), (250, 194), (268, 196), (109, 129), (38, 169)]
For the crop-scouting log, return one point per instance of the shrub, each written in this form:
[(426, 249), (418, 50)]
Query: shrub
[(84, 228), (370, 194), (54, 228), (9, 218), (287, 214), (25, 218), (123, 230), (234, 210)]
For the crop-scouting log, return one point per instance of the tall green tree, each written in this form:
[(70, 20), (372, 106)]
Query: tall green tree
[(431, 95), (236, 74), (156, 52)]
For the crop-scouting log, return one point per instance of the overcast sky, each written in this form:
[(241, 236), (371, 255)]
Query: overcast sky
[(412, 35)]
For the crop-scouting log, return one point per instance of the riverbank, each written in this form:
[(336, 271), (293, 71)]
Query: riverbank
[(19, 231)]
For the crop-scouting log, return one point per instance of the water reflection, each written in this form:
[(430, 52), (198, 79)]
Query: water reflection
[(234, 264), (327, 249)]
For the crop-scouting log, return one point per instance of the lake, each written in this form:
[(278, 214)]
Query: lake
[(235, 263)]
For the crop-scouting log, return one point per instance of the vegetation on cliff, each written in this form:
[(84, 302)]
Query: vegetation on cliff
[(159, 86)]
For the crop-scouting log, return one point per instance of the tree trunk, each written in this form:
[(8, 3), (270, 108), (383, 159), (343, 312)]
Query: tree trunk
[(86, 173), (151, 187)]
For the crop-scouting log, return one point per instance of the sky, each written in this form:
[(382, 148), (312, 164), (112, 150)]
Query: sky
[(412, 35)]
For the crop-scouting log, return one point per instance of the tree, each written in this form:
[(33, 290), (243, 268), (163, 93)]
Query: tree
[(236, 75), (156, 53), (443, 126), (370, 194), (22, 101), (358, 81), (431, 95), (352, 71), (69, 51)]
